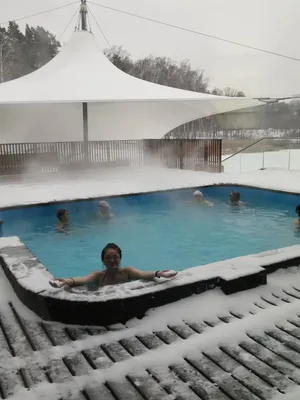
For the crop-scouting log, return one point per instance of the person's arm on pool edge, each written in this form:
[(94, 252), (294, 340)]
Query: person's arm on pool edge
[(80, 280), (134, 274)]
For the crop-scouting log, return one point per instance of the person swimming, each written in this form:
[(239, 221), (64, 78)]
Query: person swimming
[(114, 274), (198, 198), (297, 211), (105, 209), (234, 199), (63, 219)]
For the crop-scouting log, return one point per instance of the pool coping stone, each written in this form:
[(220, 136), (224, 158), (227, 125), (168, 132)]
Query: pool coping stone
[(119, 303)]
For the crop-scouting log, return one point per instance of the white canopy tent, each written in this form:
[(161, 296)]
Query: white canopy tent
[(48, 104)]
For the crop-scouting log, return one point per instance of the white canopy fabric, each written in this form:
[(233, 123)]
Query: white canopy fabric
[(46, 105)]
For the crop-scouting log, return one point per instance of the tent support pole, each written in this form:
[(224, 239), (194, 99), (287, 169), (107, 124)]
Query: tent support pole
[(85, 132)]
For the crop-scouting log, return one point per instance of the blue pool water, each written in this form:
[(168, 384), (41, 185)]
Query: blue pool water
[(158, 231)]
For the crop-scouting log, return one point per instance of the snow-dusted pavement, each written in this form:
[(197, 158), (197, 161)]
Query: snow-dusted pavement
[(209, 346), (119, 181)]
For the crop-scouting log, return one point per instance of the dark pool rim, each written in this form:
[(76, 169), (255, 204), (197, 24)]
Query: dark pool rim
[(105, 312), (113, 196)]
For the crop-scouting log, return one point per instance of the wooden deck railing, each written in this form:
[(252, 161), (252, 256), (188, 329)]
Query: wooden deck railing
[(50, 157)]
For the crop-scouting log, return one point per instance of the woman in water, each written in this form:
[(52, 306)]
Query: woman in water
[(111, 257)]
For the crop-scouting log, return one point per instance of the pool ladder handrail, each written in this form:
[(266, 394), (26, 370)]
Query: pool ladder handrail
[(245, 148), (258, 141)]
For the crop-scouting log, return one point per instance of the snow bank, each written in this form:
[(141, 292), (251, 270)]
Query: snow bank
[(122, 181), (7, 295), (12, 241)]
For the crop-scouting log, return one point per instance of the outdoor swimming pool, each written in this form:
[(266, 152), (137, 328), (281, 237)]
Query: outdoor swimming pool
[(157, 231)]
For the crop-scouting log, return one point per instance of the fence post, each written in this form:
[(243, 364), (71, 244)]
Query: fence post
[(220, 155), (108, 151), (205, 155), (181, 155), (147, 153)]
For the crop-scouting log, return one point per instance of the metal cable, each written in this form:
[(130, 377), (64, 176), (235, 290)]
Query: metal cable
[(197, 32)]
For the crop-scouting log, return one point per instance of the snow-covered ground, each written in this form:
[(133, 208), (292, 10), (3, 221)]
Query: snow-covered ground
[(120, 181)]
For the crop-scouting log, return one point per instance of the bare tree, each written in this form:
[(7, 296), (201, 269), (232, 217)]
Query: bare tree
[(6, 51), (120, 58), (230, 92)]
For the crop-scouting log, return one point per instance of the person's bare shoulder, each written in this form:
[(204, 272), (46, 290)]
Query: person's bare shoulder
[(97, 274), (59, 226), (129, 270)]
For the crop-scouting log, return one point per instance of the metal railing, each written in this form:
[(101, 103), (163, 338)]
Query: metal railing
[(266, 153)]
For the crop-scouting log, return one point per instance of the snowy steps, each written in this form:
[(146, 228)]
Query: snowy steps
[(264, 366)]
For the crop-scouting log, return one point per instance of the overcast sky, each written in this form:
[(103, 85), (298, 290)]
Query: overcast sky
[(268, 24)]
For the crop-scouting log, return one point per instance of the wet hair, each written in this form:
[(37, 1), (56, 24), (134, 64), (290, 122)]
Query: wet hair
[(236, 194), (111, 246), (60, 213), (297, 209)]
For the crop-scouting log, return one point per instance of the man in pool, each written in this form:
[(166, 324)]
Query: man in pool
[(198, 198), (234, 199), (63, 219), (104, 210), (114, 274), (297, 211)]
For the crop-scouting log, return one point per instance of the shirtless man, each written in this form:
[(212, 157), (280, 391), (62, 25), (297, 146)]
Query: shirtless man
[(63, 219), (234, 199)]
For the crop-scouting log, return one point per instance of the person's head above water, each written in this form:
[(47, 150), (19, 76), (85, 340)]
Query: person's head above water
[(297, 210), (63, 215), (234, 197), (104, 207), (198, 196), (111, 256)]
